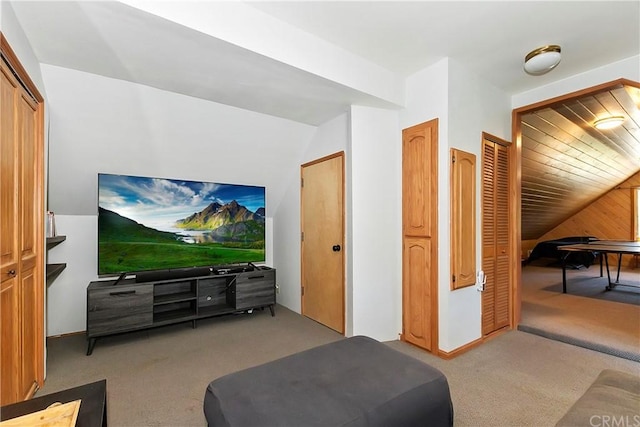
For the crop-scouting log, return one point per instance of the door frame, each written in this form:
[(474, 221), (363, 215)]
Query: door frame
[(341, 155), (516, 163)]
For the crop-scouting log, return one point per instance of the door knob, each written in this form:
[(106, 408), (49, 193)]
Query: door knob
[(336, 248), (11, 273)]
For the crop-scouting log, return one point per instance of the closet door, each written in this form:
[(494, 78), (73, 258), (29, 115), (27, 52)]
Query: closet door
[(495, 234), (419, 235), (30, 270), (9, 257), (22, 236)]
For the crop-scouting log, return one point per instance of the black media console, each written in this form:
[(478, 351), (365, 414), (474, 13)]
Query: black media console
[(125, 305)]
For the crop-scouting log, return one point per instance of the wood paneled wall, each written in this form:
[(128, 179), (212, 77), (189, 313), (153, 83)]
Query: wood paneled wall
[(608, 218)]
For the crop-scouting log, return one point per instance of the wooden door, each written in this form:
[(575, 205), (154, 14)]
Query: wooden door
[(463, 219), (9, 256), (30, 278), (322, 247), (22, 237), (419, 235), (495, 234)]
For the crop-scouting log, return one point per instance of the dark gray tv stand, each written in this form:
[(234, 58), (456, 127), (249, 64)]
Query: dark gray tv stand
[(130, 306)]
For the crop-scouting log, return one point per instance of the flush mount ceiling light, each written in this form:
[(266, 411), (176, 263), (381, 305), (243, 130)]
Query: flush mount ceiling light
[(608, 122), (542, 60)]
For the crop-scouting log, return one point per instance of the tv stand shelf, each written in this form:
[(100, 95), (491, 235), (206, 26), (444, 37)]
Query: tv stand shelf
[(125, 305), (165, 299)]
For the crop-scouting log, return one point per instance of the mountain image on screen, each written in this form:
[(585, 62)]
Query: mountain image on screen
[(151, 224), (227, 223)]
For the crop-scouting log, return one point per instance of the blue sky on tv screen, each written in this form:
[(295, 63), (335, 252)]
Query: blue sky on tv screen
[(158, 202)]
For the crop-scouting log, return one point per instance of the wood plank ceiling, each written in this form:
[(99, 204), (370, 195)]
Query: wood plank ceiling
[(567, 163)]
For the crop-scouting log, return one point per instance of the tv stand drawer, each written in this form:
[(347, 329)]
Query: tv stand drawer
[(119, 308), (254, 289)]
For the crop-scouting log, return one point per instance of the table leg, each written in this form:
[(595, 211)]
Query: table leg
[(610, 285), (564, 272), (600, 255)]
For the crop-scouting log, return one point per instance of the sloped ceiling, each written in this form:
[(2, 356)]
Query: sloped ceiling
[(567, 163)]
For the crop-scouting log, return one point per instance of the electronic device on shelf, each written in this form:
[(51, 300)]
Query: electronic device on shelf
[(185, 273)]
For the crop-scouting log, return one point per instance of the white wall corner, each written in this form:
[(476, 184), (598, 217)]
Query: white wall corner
[(376, 221)]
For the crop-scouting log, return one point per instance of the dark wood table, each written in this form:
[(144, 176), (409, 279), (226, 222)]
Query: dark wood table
[(601, 247), (93, 405)]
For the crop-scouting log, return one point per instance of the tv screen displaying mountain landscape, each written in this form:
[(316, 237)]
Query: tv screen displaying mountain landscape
[(157, 223)]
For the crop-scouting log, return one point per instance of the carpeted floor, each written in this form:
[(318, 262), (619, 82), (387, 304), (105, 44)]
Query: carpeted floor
[(587, 315), (591, 285), (158, 377)]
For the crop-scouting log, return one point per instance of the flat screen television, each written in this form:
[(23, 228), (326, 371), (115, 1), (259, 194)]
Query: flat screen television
[(158, 224)]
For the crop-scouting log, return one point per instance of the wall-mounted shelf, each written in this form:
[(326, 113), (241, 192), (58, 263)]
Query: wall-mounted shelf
[(53, 241), (53, 270)]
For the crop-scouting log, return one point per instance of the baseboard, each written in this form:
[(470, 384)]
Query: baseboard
[(447, 355), (68, 334)]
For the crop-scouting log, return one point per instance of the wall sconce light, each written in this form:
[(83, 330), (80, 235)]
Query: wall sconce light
[(608, 122), (542, 60)]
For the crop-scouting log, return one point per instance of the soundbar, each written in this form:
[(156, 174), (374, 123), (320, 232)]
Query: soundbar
[(173, 273)]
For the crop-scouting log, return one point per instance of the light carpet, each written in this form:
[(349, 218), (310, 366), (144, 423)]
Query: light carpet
[(587, 315)]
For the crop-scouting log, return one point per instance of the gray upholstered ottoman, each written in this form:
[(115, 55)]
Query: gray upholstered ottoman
[(612, 400), (352, 382)]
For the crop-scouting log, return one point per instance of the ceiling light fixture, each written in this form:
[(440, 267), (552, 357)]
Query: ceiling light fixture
[(542, 60), (608, 122)]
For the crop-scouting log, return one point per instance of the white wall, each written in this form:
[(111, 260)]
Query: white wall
[(18, 41), (329, 138), (465, 106), (375, 223), (427, 99), (371, 141), (105, 125), (628, 68), (475, 106)]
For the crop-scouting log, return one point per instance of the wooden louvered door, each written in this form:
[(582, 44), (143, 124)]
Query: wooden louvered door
[(495, 234)]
